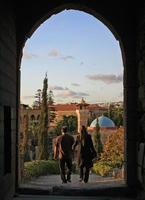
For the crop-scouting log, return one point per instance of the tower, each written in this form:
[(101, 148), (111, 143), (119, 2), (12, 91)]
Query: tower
[(82, 114)]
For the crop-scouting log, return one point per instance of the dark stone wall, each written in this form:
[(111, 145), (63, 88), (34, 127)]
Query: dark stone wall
[(8, 97), (140, 62)]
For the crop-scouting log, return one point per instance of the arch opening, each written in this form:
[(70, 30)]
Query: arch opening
[(56, 53)]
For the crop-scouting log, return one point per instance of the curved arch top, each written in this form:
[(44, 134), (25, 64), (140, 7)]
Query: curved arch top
[(78, 7), (43, 11)]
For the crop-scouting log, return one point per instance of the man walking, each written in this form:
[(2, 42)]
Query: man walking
[(63, 149)]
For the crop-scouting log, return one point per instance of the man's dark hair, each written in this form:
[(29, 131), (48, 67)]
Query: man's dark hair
[(64, 129)]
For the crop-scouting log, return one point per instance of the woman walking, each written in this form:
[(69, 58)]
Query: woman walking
[(85, 153)]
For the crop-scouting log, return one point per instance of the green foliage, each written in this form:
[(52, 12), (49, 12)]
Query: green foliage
[(34, 130), (43, 126), (69, 121), (50, 98), (97, 140), (24, 143), (114, 149), (113, 154), (37, 101), (116, 114), (40, 167), (102, 168), (91, 118), (26, 154), (52, 114)]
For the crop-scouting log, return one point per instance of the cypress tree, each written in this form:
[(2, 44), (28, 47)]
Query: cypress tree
[(52, 114), (97, 139), (43, 127)]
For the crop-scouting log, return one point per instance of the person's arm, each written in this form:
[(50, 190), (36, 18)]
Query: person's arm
[(55, 150), (75, 143), (94, 153)]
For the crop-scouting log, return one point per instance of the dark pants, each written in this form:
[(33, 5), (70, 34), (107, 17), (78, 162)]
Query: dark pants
[(84, 173), (63, 163)]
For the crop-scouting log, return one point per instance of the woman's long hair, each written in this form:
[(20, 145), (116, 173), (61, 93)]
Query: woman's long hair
[(83, 135)]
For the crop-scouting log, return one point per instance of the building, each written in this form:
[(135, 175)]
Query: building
[(83, 111), (106, 125)]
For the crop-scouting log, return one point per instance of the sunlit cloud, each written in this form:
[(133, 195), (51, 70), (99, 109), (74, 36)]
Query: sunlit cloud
[(72, 94), (58, 88), (57, 54), (28, 56), (108, 79), (54, 53)]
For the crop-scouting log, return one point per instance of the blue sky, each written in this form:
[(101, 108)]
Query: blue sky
[(81, 56)]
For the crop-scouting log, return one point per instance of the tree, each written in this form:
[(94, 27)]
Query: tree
[(69, 121), (25, 144), (43, 127), (34, 130), (97, 139), (37, 102), (115, 112), (50, 97), (92, 116), (114, 149), (50, 105)]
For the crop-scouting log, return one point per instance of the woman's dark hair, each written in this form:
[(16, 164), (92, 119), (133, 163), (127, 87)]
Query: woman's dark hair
[(83, 135)]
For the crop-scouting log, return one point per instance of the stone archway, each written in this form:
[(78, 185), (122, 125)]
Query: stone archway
[(130, 79)]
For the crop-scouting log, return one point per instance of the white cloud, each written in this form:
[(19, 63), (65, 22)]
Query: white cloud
[(72, 94), (108, 79), (54, 53), (58, 88), (27, 55)]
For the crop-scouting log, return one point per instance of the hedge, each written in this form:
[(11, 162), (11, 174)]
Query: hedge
[(40, 167)]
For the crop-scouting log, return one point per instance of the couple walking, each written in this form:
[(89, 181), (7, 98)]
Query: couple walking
[(64, 148)]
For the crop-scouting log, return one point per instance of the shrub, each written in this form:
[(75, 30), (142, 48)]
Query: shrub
[(102, 168), (40, 167), (114, 149)]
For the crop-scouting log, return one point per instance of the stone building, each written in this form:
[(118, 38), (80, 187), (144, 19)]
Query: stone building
[(82, 111), (126, 21)]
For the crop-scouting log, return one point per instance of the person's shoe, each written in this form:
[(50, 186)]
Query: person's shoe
[(80, 180), (64, 181), (68, 180)]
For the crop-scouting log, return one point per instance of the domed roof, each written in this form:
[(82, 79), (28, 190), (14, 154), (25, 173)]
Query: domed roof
[(104, 122)]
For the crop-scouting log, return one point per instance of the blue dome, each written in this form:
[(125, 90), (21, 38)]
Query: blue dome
[(104, 122)]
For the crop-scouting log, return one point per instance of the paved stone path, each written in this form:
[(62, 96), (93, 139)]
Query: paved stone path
[(98, 188), (53, 181)]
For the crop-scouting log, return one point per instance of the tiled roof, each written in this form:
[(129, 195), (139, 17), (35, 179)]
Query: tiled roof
[(65, 107), (74, 106)]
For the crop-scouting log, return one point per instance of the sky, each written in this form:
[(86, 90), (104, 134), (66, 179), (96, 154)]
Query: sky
[(81, 57)]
